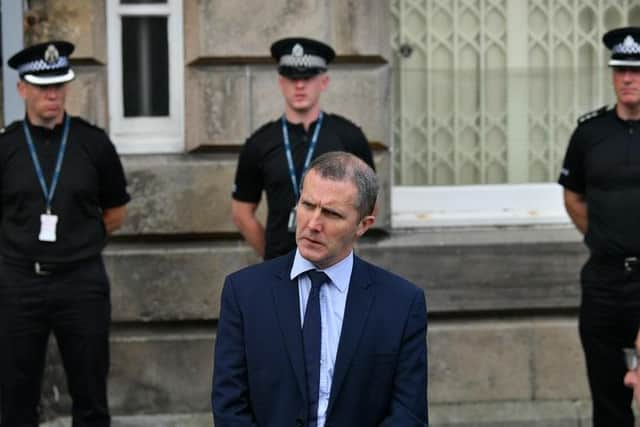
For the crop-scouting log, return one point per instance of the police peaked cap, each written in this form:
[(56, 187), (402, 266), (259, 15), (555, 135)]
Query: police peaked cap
[(44, 63), (624, 44), (299, 57)]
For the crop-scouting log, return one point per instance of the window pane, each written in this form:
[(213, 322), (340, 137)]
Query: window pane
[(489, 93), (145, 66)]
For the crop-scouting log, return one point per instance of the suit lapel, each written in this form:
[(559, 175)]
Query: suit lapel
[(287, 305), (356, 311)]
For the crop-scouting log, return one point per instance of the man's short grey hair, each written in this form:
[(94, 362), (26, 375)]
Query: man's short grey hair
[(343, 166)]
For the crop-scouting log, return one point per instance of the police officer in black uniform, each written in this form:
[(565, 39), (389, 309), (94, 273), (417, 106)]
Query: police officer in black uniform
[(62, 191), (601, 180), (276, 155)]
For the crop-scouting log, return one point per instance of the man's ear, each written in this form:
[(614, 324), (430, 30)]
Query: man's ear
[(365, 224), (22, 89), (324, 79)]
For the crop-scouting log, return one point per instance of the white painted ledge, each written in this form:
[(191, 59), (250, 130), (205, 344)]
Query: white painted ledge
[(477, 205)]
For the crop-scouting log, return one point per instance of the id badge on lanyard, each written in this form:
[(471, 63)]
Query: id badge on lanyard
[(48, 221), (48, 224), (291, 223)]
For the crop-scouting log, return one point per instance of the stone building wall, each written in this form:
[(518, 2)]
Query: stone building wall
[(503, 343)]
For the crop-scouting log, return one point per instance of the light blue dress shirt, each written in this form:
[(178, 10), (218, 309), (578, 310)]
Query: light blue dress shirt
[(333, 298)]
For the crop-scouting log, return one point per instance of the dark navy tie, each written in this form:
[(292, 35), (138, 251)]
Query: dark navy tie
[(311, 340)]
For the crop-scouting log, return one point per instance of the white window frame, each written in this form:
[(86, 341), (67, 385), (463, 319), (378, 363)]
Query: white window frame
[(146, 134), (478, 205)]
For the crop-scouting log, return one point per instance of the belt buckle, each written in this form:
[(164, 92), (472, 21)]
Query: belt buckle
[(37, 268), (630, 264)]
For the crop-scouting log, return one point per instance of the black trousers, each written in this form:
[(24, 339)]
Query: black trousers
[(609, 320), (75, 306)]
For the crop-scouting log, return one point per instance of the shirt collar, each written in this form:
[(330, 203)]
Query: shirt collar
[(44, 130), (339, 273), (300, 126)]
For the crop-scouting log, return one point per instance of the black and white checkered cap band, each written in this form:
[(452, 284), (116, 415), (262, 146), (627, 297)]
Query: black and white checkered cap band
[(628, 47), (42, 65), (303, 61)]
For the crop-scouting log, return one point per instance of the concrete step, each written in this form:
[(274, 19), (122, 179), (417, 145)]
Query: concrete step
[(163, 420), (496, 414), (564, 413)]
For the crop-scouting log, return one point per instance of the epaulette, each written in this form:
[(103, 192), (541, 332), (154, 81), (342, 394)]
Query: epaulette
[(88, 124), (85, 122), (342, 121), (263, 128), (592, 115), (10, 127), (339, 118)]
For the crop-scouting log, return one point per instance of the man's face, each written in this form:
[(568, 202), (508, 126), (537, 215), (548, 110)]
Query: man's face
[(626, 82), (43, 103), (302, 95), (328, 223)]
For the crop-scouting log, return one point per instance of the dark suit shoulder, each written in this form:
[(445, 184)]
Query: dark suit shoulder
[(387, 279), (266, 270)]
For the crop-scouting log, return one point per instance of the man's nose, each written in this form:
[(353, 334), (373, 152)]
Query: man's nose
[(51, 92), (315, 222)]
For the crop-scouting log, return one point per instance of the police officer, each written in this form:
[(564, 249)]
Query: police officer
[(601, 180), (62, 191), (276, 155)]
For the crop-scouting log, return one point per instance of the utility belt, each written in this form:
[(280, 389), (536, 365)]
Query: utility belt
[(40, 268), (630, 264)]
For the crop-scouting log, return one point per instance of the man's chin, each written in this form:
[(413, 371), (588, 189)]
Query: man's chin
[(630, 101), (301, 107), (51, 114), (308, 252)]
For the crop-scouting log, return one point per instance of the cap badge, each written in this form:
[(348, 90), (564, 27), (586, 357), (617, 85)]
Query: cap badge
[(297, 50), (51, 55), (628, 46), (629, 41)]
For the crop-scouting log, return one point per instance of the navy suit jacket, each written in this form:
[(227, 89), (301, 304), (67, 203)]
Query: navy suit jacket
[(380, 374)]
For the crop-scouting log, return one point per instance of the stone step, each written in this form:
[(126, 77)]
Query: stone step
[(163, 420), (499, 414)]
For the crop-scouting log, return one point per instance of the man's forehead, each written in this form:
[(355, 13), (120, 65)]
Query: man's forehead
[(327, 191)]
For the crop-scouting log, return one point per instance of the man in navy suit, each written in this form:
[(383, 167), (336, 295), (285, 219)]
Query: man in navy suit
[(320, 337)]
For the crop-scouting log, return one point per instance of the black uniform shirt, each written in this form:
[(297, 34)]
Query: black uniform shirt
[(603, 163), (263, 166), (91, 179)]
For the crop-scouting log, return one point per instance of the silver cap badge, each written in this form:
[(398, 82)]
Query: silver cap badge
[(51, 55), (297, 50), (629, 41)]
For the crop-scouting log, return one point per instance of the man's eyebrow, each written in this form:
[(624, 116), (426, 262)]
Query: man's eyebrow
[(306, 200), (332, 210)]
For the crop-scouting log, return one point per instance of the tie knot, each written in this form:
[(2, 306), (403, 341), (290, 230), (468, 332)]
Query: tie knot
[(317, 277)]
